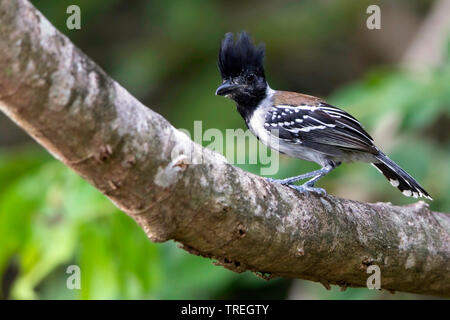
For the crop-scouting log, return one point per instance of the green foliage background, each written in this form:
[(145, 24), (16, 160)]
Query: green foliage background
[(164, 53)]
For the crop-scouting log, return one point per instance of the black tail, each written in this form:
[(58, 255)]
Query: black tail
[(399, 178)]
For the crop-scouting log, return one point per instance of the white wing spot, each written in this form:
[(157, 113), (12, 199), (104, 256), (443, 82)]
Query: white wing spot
[(307, 129), (407, 193), (310, 108), (394, 182)]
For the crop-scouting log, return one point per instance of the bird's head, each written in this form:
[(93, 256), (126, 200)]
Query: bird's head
[(241, 67)]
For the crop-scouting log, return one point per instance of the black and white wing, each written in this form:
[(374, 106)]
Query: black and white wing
[(320, 126)]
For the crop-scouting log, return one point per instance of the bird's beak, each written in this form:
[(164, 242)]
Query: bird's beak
[(226, 88)]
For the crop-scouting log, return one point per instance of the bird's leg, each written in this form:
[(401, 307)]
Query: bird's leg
[(309, 185), (296, 178), (325, 170)]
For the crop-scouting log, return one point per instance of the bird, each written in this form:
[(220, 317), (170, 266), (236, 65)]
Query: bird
[(299, 125)]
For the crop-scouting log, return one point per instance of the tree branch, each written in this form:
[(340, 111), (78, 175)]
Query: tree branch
[(138, 160)]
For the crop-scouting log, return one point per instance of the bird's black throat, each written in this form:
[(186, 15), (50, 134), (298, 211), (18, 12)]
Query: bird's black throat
[(247, 104)]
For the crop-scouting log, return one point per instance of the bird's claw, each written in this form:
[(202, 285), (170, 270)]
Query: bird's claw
[(304, 188)]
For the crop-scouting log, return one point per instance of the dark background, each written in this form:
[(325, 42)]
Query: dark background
[(164, 53)]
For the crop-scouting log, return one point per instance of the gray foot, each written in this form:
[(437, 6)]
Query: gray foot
[(304, 188)]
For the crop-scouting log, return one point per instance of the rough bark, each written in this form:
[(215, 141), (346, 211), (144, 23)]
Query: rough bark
[(137, 159)]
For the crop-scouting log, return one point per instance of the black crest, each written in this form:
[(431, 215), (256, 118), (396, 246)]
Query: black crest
[(234, 57)]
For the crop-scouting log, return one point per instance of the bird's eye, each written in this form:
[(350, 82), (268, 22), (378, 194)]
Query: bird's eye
[(250, 77)]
